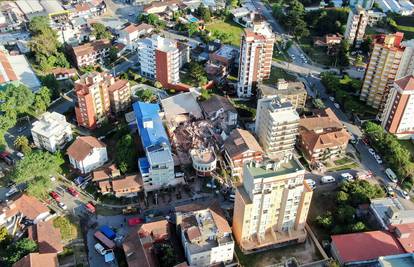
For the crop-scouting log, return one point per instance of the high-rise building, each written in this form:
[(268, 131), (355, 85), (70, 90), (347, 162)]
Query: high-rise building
[(398, 114), (256, 51), (276, 126), (157, 167), (355, 27), (98, 94), (159, 59), (383, 66), (271, 206)]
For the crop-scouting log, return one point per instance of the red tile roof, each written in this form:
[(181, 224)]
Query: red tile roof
[(406, 83), (30, 206), (38, 260), (9, 74), (365, 246), (119, 84), (405, 235), (82, 146), (92, 47), (47, 237)]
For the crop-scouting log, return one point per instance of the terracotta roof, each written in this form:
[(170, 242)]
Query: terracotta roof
[(30, 206), (38, 260), (193, 233), (82, 146), (47, 237), (105, 173), (6, 71), (158, 229), (160, 4), (215, 103), (365, 246), (406, 83), (104, 186), (241, 141), (140, 27), (127, 182), (82, 7), (119, 84), (58, 71), (406, 236), (91, 47)]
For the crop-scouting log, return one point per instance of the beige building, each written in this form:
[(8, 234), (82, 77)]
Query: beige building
[(256, 51), (357, 23), (119, 95), (271, 206), (388, 62), (294, 92), (276, 127)]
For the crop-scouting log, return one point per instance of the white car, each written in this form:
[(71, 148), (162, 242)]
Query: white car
[(371, 151), (337, 105), (332, 98), (327, 179), (311, 183), (20, 155), (62, 206), (347, 176), (378, 158), (100, 249), (405, 194), (12, 191)]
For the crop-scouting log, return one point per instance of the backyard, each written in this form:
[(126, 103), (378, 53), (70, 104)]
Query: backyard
[(227, 30), (278, 73)]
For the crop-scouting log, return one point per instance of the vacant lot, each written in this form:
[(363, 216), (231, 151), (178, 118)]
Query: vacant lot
[(278, 73), (231, 30)]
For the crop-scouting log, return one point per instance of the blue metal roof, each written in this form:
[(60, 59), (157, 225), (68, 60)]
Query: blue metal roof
[(143, 165), (144, 113)]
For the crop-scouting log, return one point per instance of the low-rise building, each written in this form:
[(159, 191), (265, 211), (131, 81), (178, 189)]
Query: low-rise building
[(87, 154), (47, 237), (364, 248), (91, 53), (241, 148), (390, 211), (205, 234), (36, 259), (405, 235), (130, 35), (402, 7), (204, 161), (63, 73), (138, 245), (328, 40), (287, 91), (51, 131), (219, 109), (322, 137)]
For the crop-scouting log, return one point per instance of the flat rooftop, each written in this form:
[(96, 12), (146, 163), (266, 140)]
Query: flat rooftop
[(273, 168), (403, 260), (203, 155), (226, 51)]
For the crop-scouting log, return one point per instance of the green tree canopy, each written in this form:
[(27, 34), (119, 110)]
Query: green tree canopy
[(125, 153), (146, 95), (18, 250)]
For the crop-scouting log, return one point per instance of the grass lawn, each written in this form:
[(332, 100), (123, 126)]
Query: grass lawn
[(317, 54), (408, 144), (278, 73), (68, 229), (321, 203), (234, 30)]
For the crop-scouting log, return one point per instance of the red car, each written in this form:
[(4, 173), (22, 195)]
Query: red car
[(135, 221), (73, 191), (55, 196), (90, 207)]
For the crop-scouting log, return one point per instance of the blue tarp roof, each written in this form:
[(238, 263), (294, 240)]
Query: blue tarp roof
[(143, 165), (110, 256), (146, 112)]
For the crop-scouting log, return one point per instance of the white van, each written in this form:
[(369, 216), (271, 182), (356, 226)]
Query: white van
[(232, 197), (327, 179), (391, 175)]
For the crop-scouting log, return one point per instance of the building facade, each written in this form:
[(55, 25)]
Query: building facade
[(131, 34), (205, 234), (51, 131), (271, 206), (159, 59), (398, 114), (119, 96), (293, 92), (256, 51), (355, 27), (383, 67), (91, 53), (276, 126), (204, 161)]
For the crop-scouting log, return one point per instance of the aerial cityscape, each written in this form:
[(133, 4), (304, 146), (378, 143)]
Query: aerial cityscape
[(201, 133)]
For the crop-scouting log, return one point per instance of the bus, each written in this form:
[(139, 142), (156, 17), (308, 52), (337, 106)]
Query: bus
[(104, 240), (391, 175)]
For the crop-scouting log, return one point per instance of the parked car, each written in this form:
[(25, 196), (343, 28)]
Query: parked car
[(371, 151), (378, 158), (404, 194), (347, 176), (100, 249), (391, 175), (73, 192), (20, 155), (390, 191), (90, 207), (311, 183), (327, 179), (62, 206), (135, 221), (12, 191), (332, 98), (55, 196)]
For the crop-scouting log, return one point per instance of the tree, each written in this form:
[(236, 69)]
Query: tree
[(125, 153), (325, 220), (146, 95), (205, 94), (342, 197), (366, 45), (345, 214), (198, 73), (318, 103), (18, 250), (42, 99), (22, 144), (39, 25), (204, 12), (4, 236), (157, 84), (234, 3), (191, 28), (113, 54), (358, 227), (151, 19), (100, 31)]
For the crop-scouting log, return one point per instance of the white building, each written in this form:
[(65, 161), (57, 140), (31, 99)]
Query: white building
[(131, 34), (159, 59), (402, 7), (87, 154), (276, 126), (357, 23), (205, 234), (256, 51), (51, 131), (204, 161)]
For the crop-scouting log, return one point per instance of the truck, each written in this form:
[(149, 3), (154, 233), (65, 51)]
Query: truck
[(104, 240), (107, 231)]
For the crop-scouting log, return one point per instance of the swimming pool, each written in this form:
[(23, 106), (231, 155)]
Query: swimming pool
[(192, 19)]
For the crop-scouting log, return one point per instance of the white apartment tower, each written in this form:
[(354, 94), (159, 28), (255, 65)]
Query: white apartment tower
[(159, 59), (276, 127), (355, 27), (256, 51), (51, 131)]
